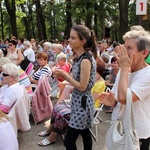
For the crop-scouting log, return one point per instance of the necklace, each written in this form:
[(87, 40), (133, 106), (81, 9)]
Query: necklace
[(98, 78)]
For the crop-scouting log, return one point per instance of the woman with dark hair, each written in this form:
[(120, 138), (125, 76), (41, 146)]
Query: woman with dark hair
[(61, 111), (82, 40), (112, 77), (14, 54)]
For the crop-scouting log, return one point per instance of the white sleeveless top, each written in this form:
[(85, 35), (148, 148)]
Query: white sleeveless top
[(13, 56)]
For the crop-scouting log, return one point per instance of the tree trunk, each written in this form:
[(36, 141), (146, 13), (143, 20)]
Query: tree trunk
[(95, 21), (89, 15), (68, 19), (30, 19), (123, 8), (102, 18), (11, 9), (40, 21), (2, 25), (26, 23)]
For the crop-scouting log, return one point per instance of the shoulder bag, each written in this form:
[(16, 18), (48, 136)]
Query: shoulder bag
[(120, 138), (24, 64)]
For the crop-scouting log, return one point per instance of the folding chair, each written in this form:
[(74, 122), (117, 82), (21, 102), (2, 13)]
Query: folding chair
[(29, 71), (54, 87), (96, 122), (107, 89), (97, 118)]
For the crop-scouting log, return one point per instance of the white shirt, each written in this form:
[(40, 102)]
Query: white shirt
[(20, 46), (9, 95), (139, 83), (8, 139), (30, 54)]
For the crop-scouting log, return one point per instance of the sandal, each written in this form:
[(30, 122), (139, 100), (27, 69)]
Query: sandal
[(43, 133), (45, 142)]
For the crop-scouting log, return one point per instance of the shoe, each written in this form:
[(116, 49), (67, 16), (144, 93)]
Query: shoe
[(45, 142), (43, 133)]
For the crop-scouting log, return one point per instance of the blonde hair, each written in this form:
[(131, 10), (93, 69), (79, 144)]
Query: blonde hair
[(62, 57)]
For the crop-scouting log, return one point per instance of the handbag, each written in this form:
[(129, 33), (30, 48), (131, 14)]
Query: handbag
[(24, 64), (120, 138)]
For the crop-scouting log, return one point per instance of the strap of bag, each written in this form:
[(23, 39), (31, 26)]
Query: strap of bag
[(129, 111)]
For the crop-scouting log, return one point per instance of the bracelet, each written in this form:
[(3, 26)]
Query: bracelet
[(68, 78)]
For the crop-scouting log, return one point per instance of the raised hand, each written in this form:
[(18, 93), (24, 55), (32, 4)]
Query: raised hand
[(107, 99)]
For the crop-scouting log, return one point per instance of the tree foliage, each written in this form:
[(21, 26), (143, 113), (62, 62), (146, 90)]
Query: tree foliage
[(51, 19)]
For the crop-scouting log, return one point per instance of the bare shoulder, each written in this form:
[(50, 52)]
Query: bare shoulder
[(85, 63)]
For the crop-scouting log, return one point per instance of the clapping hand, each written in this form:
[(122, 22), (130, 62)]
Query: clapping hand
[(107, 99), (58, 73)]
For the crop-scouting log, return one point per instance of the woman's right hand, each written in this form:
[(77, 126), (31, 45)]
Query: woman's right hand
[(107, 99)]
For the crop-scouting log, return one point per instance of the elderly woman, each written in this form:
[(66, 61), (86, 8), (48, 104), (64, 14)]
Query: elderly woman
[(62, 64), (49, 52), (23, 77), (7, 135), (10, 92), (58, 48), (44, 69), (134, 74), (14, 54), (29, 53)]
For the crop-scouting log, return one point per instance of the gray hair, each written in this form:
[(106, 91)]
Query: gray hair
[(142, 39), (59, 46), (12, 70), (27, 43), (4, 60), (48, 44), (137, 28), (105, 55)]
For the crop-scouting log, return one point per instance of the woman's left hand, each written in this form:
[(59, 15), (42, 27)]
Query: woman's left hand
[(107, 99)]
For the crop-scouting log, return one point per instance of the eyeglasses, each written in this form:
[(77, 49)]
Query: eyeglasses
[(10, 45), (5, 75)]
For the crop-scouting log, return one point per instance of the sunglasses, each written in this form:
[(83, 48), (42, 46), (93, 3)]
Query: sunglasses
[(10, 45), (5, 75)]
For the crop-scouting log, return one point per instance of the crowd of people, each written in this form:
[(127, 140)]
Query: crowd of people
[(83, 68)]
